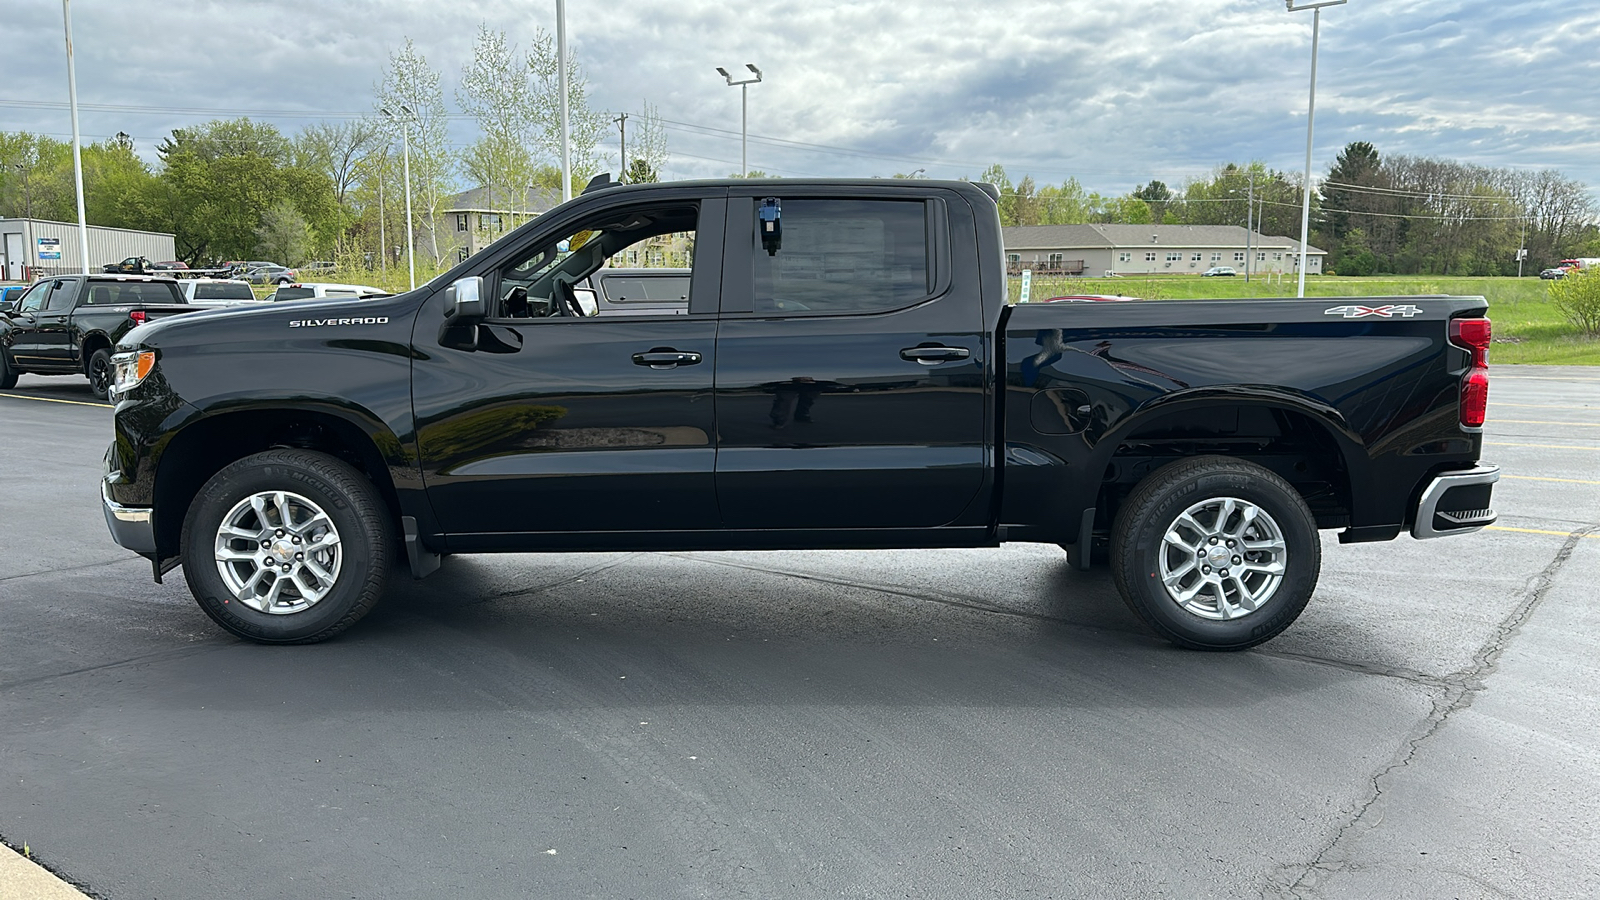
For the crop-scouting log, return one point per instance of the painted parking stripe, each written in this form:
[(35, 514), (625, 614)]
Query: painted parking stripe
[(1536, 406), (54, 400), (1537, 478), (1536, 531), (1538, 446), (1542, 422)]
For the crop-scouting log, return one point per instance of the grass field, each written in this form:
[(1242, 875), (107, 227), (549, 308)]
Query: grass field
[(1527, 327)]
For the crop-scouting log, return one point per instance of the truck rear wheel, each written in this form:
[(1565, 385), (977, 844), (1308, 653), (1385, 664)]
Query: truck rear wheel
[(1215, 553), (100, 374), (8, 375), (287, 547)]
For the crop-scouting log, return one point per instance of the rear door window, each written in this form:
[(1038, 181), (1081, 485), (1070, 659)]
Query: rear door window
[(844, 256)]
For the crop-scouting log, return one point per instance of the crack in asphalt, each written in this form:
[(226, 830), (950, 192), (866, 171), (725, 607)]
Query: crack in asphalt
[(1456, 692), (109, 562), (210, 644)]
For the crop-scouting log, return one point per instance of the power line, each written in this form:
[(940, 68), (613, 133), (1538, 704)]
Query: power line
[(1400, 192)]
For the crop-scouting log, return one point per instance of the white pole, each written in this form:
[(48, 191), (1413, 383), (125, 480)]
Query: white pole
[(561, 61), (411, 238), (1311, 113), (77, 156), (744, 130)]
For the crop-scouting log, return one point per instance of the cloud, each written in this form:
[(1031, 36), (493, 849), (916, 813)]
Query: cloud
[(1113, 94)]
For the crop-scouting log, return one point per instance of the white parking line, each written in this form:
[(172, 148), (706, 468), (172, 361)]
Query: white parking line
[(54, 400), (1538, 446), (1542, 422), (1537, 478)]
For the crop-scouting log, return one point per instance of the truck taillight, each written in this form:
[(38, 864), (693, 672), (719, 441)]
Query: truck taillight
[(1472, 335), (137, 316)]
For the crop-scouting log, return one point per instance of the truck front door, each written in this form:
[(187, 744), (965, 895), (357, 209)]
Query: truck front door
[(851, 361), (538, 425)]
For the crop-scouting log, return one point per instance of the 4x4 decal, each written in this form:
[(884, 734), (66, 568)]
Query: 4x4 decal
[(1382, 312)]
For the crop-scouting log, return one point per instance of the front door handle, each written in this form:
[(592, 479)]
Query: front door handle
[(665, 358), (933, 355)]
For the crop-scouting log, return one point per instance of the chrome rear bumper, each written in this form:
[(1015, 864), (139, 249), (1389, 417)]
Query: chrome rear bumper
[(1456, 503)]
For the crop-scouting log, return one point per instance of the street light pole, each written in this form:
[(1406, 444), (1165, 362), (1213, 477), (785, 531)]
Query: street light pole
[(622, 124), (1311, 113), (561, 63), (77, 155), (744, 114), (411, 238)]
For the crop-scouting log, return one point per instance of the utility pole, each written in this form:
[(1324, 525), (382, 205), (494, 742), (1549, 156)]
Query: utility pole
[(622, 124), (1249, 225), (383, 232)]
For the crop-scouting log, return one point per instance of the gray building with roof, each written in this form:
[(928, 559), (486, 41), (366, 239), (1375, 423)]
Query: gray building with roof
[(475, 218), (1150, 249)]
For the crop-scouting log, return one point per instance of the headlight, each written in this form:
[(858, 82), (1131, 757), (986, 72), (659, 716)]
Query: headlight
[(130, 369)]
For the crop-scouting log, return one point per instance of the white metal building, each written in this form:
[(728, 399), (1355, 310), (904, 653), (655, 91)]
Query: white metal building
[(35, 248)]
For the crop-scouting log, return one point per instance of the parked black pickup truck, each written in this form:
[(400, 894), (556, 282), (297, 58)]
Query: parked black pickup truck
[(847, 374), (68, 325)]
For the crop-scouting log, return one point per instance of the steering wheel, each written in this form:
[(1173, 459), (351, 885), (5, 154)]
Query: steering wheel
[(566, 299)]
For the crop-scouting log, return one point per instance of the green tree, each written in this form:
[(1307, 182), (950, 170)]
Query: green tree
[(410, 83), (284, 234), (495, 90), (584, 125), (1577, 296)]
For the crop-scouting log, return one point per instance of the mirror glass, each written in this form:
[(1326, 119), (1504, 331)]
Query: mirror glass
[(588, 303)]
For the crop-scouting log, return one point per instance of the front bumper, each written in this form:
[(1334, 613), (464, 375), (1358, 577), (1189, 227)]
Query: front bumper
[(1456, 503), (131, 526)]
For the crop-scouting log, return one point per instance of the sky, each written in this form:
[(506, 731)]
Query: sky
[(1113, 93)]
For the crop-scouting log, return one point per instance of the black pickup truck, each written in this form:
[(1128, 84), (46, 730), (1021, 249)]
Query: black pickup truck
[(848, 373), (68, 325)]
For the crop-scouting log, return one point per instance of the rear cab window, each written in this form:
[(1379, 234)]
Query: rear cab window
[(133, 293), (223, 291)]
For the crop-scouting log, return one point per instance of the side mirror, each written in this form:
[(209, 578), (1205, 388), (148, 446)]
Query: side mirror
[(588, 302), (464, 299)]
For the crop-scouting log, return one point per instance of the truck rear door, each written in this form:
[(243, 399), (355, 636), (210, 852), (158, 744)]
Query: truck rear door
[(851, 354)]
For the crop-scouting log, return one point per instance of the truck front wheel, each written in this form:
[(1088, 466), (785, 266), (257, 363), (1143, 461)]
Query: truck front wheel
[(1215, 553), (286, 547)]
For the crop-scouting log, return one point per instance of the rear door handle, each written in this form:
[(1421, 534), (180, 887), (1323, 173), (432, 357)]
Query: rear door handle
[(665, 358), (932, 356)]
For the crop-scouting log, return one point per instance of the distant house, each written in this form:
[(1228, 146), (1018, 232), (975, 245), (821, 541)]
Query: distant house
[(1146, 249), (473, 219)]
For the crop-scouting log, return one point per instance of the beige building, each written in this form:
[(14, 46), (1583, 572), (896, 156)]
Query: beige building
[(1096, 250)]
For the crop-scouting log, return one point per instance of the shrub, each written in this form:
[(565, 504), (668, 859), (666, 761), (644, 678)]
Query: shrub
[(1577, 296)]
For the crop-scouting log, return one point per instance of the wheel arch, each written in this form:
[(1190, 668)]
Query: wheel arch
[(1310, 436), (92, 342), (204, 446)]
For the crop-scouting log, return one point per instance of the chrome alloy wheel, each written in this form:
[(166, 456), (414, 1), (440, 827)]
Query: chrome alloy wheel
[(1222, 558), (278, 552)]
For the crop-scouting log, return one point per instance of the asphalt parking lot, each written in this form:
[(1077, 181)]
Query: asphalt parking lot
[(806, 724)]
